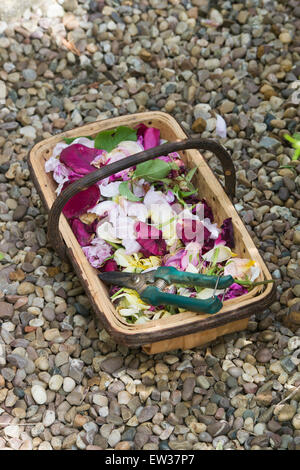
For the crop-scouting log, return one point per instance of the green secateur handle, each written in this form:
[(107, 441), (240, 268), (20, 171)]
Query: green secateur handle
[(152, 295), (171, 275)]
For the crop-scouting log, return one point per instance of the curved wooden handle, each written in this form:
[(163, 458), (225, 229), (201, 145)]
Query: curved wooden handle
[(54, 235)]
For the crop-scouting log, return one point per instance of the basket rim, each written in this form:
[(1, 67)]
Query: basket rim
[(133, 334)]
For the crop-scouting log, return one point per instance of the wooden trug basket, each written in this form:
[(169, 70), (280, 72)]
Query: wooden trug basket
[(184, 330)]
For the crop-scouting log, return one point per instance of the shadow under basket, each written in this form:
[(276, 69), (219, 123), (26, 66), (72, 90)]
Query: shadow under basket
[(184, 330)]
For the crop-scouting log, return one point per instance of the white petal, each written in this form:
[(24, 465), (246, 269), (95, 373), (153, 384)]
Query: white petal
[(191, 269), (207, 293), (221, 127), (255, 272), (131, 246), (51, 164), (121, 258), (137, 188), (84, 141), (141, 320), (106, 232), (136, 210), (103, 207), (110, 189), (213, 228), (59, 148), (224, 253)]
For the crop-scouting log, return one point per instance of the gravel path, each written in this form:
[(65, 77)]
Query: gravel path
[(64, 383)]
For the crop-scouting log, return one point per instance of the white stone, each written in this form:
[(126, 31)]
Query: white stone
[(294, 343), (29, 132), (249, 369), (54, 10), (100, 400), (296, 421), (42, 363), (45, 446), (37, 322), (39, 394), (12, 431), (124, 397), (3, 90), (3, 26), (48, 418), (55, 382), (114, 438), (103, 411), (68, 384)]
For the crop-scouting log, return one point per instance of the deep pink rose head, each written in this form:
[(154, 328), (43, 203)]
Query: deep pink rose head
[(82, 202), (78, 158), (208, 214), (150, 239), (235, 290), (227, 232), (81, 232), (150, 135), (110, 265), (174, 260), (190, 230)]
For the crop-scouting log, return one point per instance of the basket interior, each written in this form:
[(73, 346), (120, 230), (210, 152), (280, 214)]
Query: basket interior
[(209, 188)]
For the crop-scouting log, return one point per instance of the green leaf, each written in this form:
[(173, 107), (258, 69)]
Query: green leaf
[(153, 170), (188, 193), (108, 140), (191, 173), (69, 140), (125, 191), (1, 255)]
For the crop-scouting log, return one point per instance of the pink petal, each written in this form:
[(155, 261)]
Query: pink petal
[(150, 135), (110, 265), (81, 232), (78, 157), (81, 202), (150, 239), (97, 252), (151, 138), (174, 260)]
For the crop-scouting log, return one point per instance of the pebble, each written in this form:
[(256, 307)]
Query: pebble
[(55, 382), (39, 394), (68, 384)]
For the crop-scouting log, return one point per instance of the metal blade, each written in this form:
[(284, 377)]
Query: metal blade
[(136, 281)]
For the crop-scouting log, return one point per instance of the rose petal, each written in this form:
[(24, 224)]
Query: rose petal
[(173, 260), (97, 252), (110, 265), (103, 208), (81, 202), (110, 189), (78, 158), (227, 233), (224, 253), (81, 232), (235, 290), (221, 127), (151, 138), (150, 239)]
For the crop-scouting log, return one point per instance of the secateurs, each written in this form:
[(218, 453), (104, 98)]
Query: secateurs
[(150, 285)]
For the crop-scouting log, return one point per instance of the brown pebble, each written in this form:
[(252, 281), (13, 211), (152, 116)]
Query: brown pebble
[(17, 275), (199, 125), (80, 420), (123, 445)]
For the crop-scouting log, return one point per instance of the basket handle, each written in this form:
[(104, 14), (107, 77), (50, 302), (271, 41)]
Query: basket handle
[(54, 235)]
